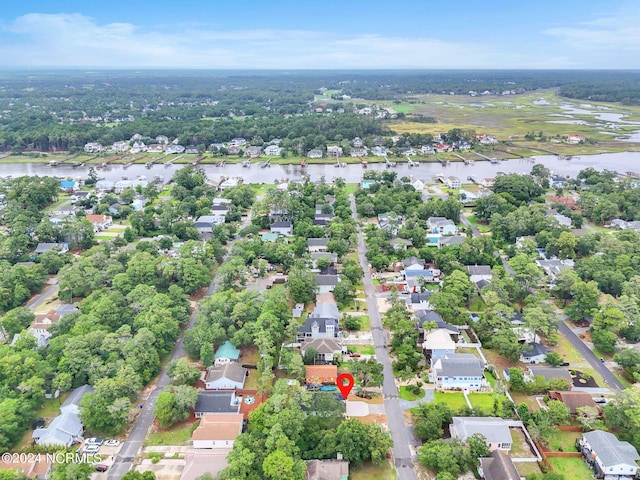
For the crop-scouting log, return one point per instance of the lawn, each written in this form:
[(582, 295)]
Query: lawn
[(351, 188), (181, 435), (490, 378), (477, 305), (482, 228), (405, 394), (369, 471), (560, 441), (251, 382), (363, 349), (365, 325), (455, 401), (527, 468), (572, 467), (51, 407), (484, 401)]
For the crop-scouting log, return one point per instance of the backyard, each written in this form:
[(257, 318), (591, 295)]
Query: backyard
[(455, 401), (560, 441), (369, 471), (572, 467), (178, 435)]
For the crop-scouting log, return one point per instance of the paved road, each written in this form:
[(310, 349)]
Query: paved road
[(124, 460), (399, 432), (594, 361), (34, 303), (584, 350)]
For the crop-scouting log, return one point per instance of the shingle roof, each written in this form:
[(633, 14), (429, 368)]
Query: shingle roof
[(610, 450), (573, 400), (45, 247), (535, 349), (494, 430), (322, 345), (232, 371), (221, 426), (317, 242), (216, 402), (327, 470), (498, 466), (458, 364), (321, 323), (76, 395), (327, 280), (407, 262), (478, 269), (420, 297), (326, 310), (284, 224), (550, 372)]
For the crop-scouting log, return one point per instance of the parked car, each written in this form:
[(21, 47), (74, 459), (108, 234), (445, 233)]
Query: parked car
[(39, 423), (112, 443), (354, 354), (101, 467), (91, 449), (600, 400), (564, 364), (93, 441)]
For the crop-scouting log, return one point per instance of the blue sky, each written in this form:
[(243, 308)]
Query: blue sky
[(329, 34)]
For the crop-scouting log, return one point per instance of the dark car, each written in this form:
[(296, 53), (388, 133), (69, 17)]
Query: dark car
[(564, 364), (600, 400), (101, 467)]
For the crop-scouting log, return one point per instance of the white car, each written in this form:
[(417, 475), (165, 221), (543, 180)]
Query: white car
[(91, 449), (112, 443)]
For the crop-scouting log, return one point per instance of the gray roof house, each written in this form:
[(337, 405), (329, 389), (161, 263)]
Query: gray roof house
[(216, 402), (553, 267), (317, 244), (326, 310), (534, 353), (550, 373), (495, 431), (459, 371), (327, 348), (315, 327), (225, 377), (610, 458), (326, 283), (283, 228), (46, 247), (479, 272), (498, 466), (66, 428)]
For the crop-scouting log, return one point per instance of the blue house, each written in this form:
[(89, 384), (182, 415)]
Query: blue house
[(68, 185)]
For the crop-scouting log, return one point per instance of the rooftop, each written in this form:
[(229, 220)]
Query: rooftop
[(610, 450), (495, 430), (232, 371), (219, 426)]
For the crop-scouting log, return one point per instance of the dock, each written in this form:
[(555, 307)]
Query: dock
[(265, 163), (491, 159), (443, 161), (412, 163), (472, 179), (466, 161)]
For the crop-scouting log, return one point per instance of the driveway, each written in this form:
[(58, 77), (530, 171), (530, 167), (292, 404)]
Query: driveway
[(399, 432)]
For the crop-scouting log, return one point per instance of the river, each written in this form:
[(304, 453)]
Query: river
[(621, 162)]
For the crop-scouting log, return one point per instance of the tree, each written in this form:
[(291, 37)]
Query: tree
[(72, 471), (478, 446), (589, 418), (629, 360), (360, 442), (624, 413), (16, 320), (206, 354), (368, 373), (351, 322), (344, 292), (135, 475), (558, 413), (173, 404), (183, 372), (446, 456), (278, 465), (302, 285), (516, 378), (585, 300), (553, 359)]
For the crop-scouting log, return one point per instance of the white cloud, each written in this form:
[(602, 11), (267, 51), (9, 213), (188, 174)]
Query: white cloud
[(70, 40)]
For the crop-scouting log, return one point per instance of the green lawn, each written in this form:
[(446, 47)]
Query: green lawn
[(51, 406), (369, 471), (573, 468), (484, 401), (350, 188), (405, 394), (490, 378), (455, 401), (363, 349), (528, 468), (560, 441), (477, 305), (180, 435), (434, 287)]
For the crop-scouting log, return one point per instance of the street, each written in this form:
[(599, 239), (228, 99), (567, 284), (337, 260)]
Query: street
[(124, 460), (401, 450)]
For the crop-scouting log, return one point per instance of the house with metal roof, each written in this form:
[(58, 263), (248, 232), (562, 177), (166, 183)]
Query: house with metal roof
[(495, 431), (226, 353), (458, 371), (610, 458)]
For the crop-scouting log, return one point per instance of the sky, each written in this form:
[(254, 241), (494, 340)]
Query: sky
[(332, 34)]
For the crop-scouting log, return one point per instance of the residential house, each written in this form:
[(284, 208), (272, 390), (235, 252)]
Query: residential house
[(390, 223), (441, 226), (325, 309), (69, 185), (400, 244), (610, 458), (359, 152), (445, 241), (314, 153), (327, 470), (453, 182), (216, 402), (443, 147), (65, 309), (205, 223), (138, 147), (357, 142), (237, 142), (534, 353), (315, 374), (222, 201), (253, 151), (155, 148), (282, 228), (379, 151), (100, 222), (557, 181), (549, 373), (38, 467), (497, 466), (69, 210), (318, 327), (495, 431), (333, 257), (431, 316), (43, 321), (419, 275), (317, 244), (226, 353), (327, 348), (228, 376), (427, 150), (93, 147), (326, 283), (175, 149), (217, 430), (458, 371), (487, 139), (273, 150), (41, 336), (162, 140), (418, 185), (437, 344), (553, 267), (574, 138), (562, 220), (105, 185), (322, 219), (138, 203), (56, 247), (413, 263), (334, 150), (479, 272), (120, 147), (488, 182), (65, 429), (574, 400), (419, 300)]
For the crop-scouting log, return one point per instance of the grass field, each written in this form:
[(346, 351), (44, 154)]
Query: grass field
[(362, 349), (477, 305), (405, 394), (528, 468), (369, 471), (455, 401), (561, 441), (573, 468), (181, 435)]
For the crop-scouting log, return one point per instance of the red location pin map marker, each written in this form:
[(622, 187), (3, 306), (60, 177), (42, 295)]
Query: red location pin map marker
[(345, 384)]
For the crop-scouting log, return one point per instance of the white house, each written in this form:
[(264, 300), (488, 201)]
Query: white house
[(100, 222), (217, 430), (273, 150), (334, 150), (317, 244), (326, 283), (453, 182), (610, 458), (314, 153), (458, 371), (427, 150), (225, 377), (438, 344), (418, 185), (327, 348), (574, 138), (479, 272), (441, 226), (494, 430), (282, 228), (357, 142)]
